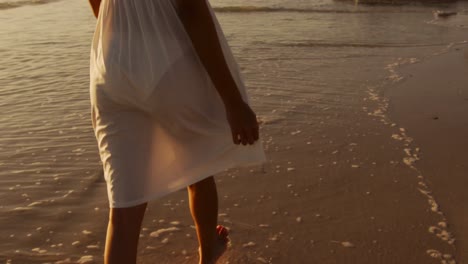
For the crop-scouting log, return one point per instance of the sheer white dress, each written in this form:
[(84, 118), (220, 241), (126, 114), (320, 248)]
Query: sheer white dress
[(159, 121)]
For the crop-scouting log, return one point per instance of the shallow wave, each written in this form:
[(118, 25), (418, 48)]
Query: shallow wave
[(257, 9), (15, 4)]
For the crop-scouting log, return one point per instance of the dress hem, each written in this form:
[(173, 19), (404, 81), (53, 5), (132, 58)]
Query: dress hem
[(185, 184)]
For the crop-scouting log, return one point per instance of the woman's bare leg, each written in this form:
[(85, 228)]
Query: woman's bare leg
[(203, 199), (123, 232)]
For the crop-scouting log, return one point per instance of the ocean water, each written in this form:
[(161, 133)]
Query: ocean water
[(302, 60)]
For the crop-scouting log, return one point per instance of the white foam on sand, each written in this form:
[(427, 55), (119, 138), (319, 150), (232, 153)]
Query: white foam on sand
[(161, 231), (410, 158)]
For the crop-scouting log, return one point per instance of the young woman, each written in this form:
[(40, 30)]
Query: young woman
[(169, 110)]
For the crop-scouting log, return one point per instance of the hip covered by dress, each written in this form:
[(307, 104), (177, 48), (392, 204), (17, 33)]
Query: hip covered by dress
[(137, 41), (158, 119)]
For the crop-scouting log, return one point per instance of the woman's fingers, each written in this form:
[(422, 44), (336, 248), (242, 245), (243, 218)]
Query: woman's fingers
[(244, 137), (235, 137), (255, 133), (249, 136), (245, 134)]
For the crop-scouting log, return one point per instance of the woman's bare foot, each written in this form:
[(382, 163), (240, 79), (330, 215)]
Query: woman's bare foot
[(221, 244)]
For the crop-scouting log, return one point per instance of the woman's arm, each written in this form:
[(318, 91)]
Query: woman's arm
[(95, 6), (199, 24)]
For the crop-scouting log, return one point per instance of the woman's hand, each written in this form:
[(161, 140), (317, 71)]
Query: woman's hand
[(243, 123), (199, 23)]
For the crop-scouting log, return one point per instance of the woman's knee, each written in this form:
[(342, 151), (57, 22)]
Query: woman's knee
[(202, 183), (204, 187), (127, 216)]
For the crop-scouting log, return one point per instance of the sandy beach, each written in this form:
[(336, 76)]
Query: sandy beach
[(375, 192), (363, 119)]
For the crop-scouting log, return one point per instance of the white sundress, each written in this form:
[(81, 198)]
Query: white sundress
[(158, 119)]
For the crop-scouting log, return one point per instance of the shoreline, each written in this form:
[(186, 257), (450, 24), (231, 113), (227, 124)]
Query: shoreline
[(432, 104)]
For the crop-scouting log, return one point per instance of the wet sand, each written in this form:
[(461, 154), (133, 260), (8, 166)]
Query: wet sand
[(432, 103), (365, 188), (356, 191)]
